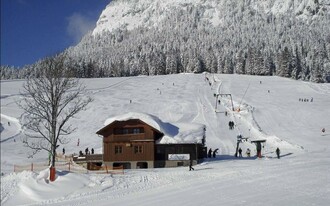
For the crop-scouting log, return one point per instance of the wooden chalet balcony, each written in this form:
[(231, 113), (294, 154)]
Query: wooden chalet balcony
[(125, 138)]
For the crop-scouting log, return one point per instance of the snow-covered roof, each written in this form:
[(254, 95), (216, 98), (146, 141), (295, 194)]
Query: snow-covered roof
[(173, 132)]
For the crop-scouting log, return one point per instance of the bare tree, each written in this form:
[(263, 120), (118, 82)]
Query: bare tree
[(50, 99)]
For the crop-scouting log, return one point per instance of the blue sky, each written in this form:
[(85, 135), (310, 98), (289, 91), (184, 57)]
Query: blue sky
[(34, 29)]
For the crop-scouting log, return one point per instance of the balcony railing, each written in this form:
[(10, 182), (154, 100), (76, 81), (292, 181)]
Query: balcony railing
[(125, 137)]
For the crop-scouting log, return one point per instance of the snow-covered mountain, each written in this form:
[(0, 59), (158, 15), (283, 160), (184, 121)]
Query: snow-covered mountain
[(273, 37), (289, 38), (121, 14)]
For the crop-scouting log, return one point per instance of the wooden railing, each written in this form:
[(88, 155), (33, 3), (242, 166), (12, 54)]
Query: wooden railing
[(88, 158)]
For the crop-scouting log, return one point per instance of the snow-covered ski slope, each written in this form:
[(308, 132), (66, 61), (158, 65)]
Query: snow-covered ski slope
[(269, 109)]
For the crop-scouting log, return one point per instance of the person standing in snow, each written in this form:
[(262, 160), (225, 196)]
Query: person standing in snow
[(86, 151), (240, 152), (78, 142), (190, 165), (215, 152), (63, 151), (209, 155), (248, 152), (278, 153), (92, 150)]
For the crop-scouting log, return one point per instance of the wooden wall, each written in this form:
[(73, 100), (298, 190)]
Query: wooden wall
[(128, 153), (128, 142)]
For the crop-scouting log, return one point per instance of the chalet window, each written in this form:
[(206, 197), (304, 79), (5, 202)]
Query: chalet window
[(118, 149), (125, 131), (137, 130), (119, 131), (138, 149)]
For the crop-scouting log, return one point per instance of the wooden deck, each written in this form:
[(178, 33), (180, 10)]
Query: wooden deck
[(88, 158)]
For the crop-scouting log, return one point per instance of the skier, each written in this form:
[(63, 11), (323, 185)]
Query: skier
[(278, 153), (209, 153), (190, 165), (215, 152), (231, 125), (240, 152), (63, 151), (78, 142), (323, 130), (248, 152), (92, 150), (86, 150)]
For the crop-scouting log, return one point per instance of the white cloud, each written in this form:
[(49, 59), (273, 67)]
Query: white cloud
[(79, 25)]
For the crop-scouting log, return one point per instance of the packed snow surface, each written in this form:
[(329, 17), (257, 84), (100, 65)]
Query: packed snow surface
[(286, 113)]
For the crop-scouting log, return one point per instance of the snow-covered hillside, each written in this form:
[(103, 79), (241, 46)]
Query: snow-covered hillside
[(271, 108)]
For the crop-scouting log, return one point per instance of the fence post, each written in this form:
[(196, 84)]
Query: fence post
[(69, 167), (14, 168), (106, 168), (32, 167)]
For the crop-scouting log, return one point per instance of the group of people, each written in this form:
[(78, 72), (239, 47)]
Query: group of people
[(212, 154), (87, 152), (231, 125), (248, 152)]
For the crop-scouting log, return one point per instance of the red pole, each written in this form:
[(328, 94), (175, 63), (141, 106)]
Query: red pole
[(52, 174)]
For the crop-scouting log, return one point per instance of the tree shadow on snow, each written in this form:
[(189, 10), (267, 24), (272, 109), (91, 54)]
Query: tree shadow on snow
[(206, 168), (275, 157), (62, 172)]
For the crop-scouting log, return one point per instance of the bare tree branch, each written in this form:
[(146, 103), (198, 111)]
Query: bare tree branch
[(50, 100)]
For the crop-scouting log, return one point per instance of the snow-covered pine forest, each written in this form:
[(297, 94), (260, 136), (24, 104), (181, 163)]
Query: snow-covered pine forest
[(288, 38)]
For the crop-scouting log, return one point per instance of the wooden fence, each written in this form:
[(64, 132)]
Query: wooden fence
[(66, 163), (68, 166)]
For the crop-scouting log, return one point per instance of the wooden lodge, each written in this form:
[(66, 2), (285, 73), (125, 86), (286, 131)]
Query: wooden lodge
[(132, 144)]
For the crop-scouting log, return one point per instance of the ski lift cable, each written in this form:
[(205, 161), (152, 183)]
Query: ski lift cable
[(239, 106)]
